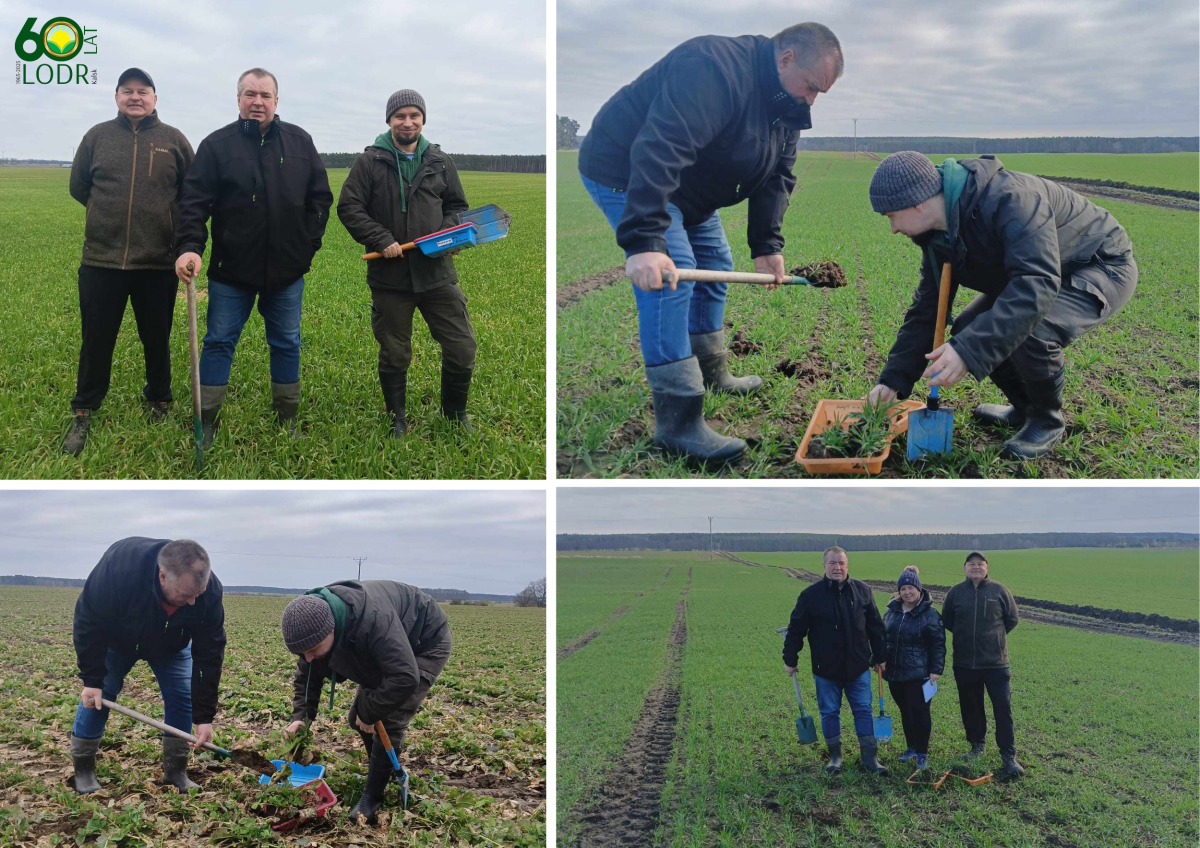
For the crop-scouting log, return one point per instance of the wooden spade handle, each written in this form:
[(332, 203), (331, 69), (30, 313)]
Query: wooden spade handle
[(412, 245), (939, 332), (165, 728), (383, 737), (699, 275), (193, 339)]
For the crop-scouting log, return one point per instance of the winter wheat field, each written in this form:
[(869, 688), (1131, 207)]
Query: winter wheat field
[(1132, 396), (476, 752), (341, 409), (676, 720)]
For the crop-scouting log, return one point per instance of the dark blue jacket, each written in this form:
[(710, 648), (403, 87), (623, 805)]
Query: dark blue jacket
[(916, 642), (705, 127), (119, 609), (844, 630)]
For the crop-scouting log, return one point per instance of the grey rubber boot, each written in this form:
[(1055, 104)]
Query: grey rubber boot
[(211, 398), (379, 772), (1010, 766), (175, 758), (870, 751), (1044, 425), (83, 755), (455, 387), (285, 400), (395, 391), (834, 766), (977, 749), (710, 350), (76, 438), (1008, 380), (679, 425)]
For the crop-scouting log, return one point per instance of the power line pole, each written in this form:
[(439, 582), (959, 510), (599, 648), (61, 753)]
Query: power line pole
[(710, 539), (360, 561)]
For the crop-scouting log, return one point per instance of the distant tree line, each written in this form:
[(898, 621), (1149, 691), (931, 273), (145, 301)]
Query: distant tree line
[(766, 542), (1055, 144), (500, 163)]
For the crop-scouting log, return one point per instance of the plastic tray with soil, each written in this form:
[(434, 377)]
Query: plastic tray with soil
[(851, 436)]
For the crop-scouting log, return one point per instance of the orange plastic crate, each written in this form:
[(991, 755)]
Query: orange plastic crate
[(826, 413)]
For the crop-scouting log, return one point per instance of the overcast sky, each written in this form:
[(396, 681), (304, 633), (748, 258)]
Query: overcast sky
[(492, 542), (878, 510), (481, 67), (1001, 69)]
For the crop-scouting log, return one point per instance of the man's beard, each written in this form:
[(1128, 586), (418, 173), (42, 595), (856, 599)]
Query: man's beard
[(405, 138)]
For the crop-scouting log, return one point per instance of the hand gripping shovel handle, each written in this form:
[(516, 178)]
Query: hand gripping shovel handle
[(697, 275), (880, 675), (194, 355), (387, 745), (165, 728), (412, 245)]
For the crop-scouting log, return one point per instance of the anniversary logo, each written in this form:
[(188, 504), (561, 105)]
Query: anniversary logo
[(61, 40)]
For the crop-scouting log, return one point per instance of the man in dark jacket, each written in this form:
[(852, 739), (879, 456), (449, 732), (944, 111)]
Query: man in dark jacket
[(392, 639), (981, 613), (128, 173), (158, 601), (265, 188), (845, 637), (915, 652), (713, 123), (399, 189), (1049, 265)]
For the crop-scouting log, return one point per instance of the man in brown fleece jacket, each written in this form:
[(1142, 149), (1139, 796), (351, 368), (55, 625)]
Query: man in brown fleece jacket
[(128, 172)]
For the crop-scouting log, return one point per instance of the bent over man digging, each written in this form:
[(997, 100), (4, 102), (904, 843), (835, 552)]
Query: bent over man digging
[(846, 640), (1049, 264), (264, 186), (400, 188), (392, 639), (713, 123), (158, 601)]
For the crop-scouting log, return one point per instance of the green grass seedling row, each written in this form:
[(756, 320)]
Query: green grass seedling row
[(600, 587)]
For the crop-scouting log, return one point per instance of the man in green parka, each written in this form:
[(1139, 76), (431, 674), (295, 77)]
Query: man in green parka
[(399, 189), (1049, 265)]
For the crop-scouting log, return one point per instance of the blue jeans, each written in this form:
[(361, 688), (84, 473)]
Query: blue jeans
[(229, 307), (665, 317), (174, 676), (829, 703)]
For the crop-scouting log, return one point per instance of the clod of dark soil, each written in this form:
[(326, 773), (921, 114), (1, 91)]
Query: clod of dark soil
[(741, 346), (823, 275), (816, 450), (253, 760)]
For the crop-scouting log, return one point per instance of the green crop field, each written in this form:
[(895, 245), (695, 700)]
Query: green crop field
[(1105, 724), (1131, 395), (341, 409), (1179, 171), (476, 752)]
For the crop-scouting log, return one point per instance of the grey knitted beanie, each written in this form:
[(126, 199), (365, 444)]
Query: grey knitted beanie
[(306, 621), (903, 180), (405, 97)]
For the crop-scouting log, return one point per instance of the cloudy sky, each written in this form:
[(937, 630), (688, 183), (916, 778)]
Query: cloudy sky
[(878, 510), (1000, 69), (492, 542), (480, 66)]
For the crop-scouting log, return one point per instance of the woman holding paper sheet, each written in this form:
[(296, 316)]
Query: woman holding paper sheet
[(915, 647)]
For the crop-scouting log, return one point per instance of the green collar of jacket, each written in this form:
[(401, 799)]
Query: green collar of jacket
[(954, 180), (339, 608), (407, 167)]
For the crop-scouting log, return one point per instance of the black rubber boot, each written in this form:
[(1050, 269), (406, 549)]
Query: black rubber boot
[(83, 755), (1008, 380), (158, 410), (679, 425), (1010, 766), (395, 390), (455, 387), (175, 758), (379, 772), (211, 398), (870, 751), (710, 350), (285, 400), (977, 749), (76, 437), (1044, 425), (834, 766)]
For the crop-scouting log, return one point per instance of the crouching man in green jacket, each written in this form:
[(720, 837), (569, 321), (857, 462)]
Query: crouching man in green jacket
[(392, 639), (1049, 265), (399, 189)]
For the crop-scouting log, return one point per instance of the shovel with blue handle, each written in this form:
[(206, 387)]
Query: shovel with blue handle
[(931, 430), (402, 775), (883, 721)]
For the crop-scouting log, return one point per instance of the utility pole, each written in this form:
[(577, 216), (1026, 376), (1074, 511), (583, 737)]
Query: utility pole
[(360, 561), (710, 539), (855, 138)]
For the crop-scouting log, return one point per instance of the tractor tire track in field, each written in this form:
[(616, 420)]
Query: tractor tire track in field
[(1158, 628), (583, 640), (630, 797), (572, 292), (1145, 195)]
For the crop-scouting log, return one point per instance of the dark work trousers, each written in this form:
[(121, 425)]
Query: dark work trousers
[(971, 683), (1090, 294), (103, 293), (430, 664), (444, 310), (914, 713)]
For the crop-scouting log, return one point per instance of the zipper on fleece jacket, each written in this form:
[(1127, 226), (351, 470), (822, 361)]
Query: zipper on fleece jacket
[(129, 210)]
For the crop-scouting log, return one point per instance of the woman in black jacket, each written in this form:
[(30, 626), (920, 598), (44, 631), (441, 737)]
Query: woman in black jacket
[(915, 647)]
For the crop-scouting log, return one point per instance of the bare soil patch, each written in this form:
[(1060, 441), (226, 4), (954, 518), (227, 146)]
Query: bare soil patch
[(570, 293), (739, 345)]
